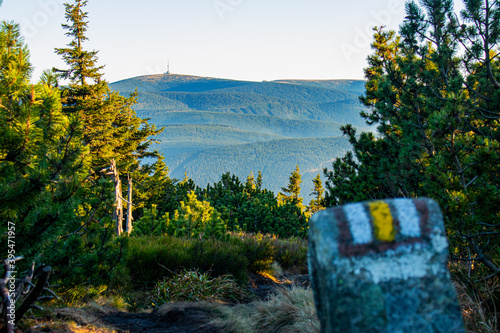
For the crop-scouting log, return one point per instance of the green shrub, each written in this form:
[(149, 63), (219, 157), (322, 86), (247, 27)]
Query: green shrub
[(150, 258), (262, 250), (291, 254), (150, 223), (193, 219), (220, 258)]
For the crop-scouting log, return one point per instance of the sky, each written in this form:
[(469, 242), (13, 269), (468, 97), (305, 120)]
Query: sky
[(253, 40)]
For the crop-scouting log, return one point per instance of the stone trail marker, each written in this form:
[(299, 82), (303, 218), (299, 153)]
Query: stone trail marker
[(380, 266)]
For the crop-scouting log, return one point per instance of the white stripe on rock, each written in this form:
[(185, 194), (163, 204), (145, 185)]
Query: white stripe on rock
[(409, 222), (359, 223)]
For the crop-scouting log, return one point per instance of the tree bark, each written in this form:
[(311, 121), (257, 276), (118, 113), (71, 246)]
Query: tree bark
[(128, 226), (118, 211)]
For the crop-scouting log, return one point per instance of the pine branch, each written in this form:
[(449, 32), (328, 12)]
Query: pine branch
[(482, 258), (29, 302)]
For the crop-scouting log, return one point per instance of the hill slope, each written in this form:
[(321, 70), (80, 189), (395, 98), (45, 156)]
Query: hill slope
[(213, 126)]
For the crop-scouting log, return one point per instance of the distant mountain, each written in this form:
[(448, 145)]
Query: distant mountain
[(217, 125)]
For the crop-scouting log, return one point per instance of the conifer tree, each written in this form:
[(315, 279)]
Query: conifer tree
[(259, 180), (433, 93), (111, 128), (115, 136), (318, 191), (255, 211), (291, 193), (250, 184), (42, 160), (44, 166)]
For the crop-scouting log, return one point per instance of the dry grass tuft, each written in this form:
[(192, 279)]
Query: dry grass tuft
[(194, 286), (479, 300), (479, 310), (289, 310)]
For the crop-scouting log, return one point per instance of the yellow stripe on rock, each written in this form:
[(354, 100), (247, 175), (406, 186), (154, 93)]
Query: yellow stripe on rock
[(382, 221)]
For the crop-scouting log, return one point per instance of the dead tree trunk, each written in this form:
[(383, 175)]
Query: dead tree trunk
[(128, 226), (118, 206), (118, 212)]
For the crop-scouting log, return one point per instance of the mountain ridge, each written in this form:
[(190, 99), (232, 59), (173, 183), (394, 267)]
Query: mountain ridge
[(208, 120)]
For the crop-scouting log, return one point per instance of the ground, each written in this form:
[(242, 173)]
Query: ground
[(171, 317)]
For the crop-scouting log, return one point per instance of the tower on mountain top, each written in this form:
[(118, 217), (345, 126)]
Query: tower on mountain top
[(168, 67)]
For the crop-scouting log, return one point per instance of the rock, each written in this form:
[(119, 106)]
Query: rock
[(380, 266)]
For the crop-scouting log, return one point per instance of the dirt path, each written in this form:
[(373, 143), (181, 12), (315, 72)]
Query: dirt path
[(179, 318), (171, 317)]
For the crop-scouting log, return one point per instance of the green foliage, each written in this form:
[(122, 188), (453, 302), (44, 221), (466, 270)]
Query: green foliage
[(53, 144), (193, 286), (193, 219), (434, 95), (150, 258), (42, 160), (196, 219), (254, 210), (150, 223), (80, 293), (111, 128), (291, 254), (291, 193), (263, 250), (44, 170), (317, 203), (151, 186)]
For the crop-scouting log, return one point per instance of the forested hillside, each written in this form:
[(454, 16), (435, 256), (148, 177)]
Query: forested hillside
[(211, 124)]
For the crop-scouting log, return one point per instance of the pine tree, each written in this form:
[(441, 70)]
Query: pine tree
[(42, 160), (433, 93), (44, 166), (111, 128), (255, 211), (291, 193), (318, 191), (250, 184), (259, 180), (116, 137)]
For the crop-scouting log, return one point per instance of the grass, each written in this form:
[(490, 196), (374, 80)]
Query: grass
[(289, 310), (479, 300), (152, 258), (193, 286), (167, 270)]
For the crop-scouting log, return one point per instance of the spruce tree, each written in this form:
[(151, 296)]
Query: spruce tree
[(259, 180), (318, 191), (115, 136), (112, 129), (291, 193)]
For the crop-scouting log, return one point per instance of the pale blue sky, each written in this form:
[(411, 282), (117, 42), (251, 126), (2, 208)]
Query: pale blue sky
[(238, 39)]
